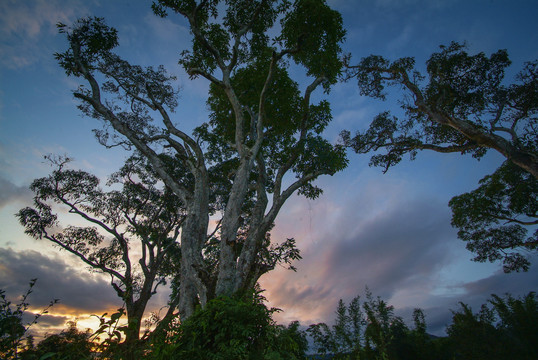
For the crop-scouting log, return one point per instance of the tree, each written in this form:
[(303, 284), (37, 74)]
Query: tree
[(462, 106), (518, 320), (504, 328), (287, 343), (346, 336), (371, 331), (138, 217), (381, 324), (474, 336), (262, 131)]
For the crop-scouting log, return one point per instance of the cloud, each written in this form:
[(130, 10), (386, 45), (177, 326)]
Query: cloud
[(438, 309), (18, 18), (393, 239), (24, 24), (78, 292), (10, 192), (82, 295), (46, 322), (501, 283), (395, 247), (167, 30)]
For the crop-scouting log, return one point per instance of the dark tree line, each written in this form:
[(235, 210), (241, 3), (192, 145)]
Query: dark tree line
[(506, 327), (503, 328)]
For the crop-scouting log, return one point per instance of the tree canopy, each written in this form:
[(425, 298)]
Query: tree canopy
[(495, 218)]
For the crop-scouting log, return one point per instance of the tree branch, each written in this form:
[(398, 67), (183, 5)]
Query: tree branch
[(303, 132)]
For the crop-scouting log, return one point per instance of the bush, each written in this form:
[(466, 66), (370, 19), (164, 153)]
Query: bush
[(228, 328)]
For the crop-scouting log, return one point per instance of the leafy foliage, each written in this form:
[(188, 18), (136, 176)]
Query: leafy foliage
[(13, 330), (231, 328), (95, 40), (345, 336), (474, 336), (287, 343), (370, 331), (69, 344), (464, 107), (316, 31), (504, 330), (114, 332), (284, 113), (518, 319), (494, 218)]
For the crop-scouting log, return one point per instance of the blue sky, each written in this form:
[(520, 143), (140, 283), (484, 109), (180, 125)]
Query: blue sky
[(389, 232)]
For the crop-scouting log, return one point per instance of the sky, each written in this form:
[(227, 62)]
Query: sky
[(390, 232)]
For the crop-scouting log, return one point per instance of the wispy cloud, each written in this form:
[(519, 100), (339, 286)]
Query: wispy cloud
[(390, 238), (23, 25), (392, 248), (167, 30), (30, 20)]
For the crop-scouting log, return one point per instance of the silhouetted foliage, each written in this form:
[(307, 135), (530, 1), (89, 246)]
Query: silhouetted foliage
[(13, 329), (518, 320), (70, 344), (474, 336), (494, 219), (140, 214), (370, 331), (505, 328)]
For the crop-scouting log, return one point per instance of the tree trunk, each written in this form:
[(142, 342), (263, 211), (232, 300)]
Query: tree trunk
[(135, 312), (227, 274), (193, 289)]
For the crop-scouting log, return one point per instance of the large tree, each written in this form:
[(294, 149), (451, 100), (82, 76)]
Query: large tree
[(463, 105), (262, 142)]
